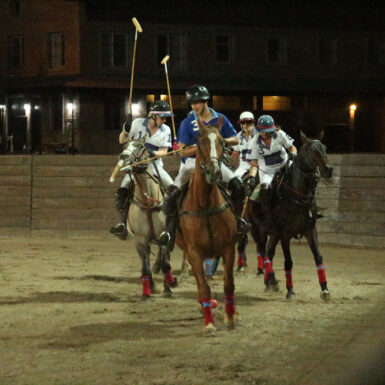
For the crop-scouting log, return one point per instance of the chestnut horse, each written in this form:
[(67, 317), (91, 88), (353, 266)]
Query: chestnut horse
[(207, 225)]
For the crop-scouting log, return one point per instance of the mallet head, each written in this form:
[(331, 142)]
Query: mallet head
[(165, 59), (137, 25)]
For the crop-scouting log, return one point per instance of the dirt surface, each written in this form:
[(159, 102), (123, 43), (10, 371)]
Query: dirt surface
[(71, 313)]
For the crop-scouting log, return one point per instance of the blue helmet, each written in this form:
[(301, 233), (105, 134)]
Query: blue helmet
[(265, 124)]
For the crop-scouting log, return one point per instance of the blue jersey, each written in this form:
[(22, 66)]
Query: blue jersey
[(189, 129)]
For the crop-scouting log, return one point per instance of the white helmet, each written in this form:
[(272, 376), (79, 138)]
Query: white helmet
[(246, 116)]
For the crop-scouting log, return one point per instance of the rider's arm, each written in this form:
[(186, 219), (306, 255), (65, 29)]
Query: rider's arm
[(292, 148), (232, 141), (188, 152), (161, 152)]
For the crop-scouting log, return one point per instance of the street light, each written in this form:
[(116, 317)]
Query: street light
[(70, 112)]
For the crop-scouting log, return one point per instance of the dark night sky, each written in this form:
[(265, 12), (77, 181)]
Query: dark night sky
[(335, 14)]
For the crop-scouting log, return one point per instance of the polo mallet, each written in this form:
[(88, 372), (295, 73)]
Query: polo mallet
[(164, 61), (138, 28)]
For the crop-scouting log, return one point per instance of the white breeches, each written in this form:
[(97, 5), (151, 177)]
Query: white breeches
[(242, 168), (187, 170)]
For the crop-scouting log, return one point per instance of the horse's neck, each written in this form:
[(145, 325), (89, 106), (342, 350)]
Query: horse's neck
[(205, 195), (304, 182), (145, 188)]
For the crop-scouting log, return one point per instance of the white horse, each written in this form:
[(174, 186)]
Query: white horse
[(145, 218)]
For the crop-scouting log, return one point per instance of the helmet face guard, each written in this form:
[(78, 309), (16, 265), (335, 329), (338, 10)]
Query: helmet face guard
[(266, 124)]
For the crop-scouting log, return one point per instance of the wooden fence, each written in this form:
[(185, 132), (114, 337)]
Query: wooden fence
[(70, 196)]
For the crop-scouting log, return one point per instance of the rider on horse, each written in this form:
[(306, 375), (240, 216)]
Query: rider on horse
[(157, 141), (198, 96), (269, 152)]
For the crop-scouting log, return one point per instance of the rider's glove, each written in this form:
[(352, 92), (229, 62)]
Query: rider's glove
[(151, 154), (175, 146), (249, 184), (292, 155)]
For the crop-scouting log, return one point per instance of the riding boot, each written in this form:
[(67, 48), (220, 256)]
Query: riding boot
[(237, 197), (265, 200), (167, 237), (122, 202)]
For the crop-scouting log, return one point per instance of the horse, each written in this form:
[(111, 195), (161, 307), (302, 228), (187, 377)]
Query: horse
[(145, 218), (293, 212), (207, 225)]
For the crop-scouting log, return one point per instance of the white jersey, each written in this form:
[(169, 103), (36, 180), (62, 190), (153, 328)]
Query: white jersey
[(160, 139), (270, 159), (243, 148)]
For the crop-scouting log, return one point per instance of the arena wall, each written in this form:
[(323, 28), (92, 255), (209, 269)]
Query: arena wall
[(70, 196)]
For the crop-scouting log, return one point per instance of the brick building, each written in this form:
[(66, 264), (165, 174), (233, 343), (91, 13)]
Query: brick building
[(66, 65)]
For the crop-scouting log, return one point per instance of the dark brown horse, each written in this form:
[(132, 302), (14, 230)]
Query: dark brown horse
[(207, 225), (294, 213)]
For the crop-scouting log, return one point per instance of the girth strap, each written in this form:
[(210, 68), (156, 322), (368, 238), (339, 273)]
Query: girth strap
[(207, 213)]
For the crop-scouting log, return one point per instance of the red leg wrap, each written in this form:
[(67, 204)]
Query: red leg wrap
[(168, 277), (260, 261), (289, 279), (321, 273), (240, 260), (230, 304), (268, 267), (146, 285), (208, 314)]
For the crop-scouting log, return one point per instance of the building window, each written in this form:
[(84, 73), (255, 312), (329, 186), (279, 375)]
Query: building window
[(114, 49), (15, 52), (327, 51), (226, 103), (223, 48), (276, 50), (276, 103), (175, 46), (56, 50)]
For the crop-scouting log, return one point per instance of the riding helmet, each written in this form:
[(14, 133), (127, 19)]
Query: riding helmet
[(197, 93), (265, 124), (246, 116), (160, 108)]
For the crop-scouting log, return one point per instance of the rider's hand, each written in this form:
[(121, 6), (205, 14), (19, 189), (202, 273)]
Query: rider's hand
[(151, 154), (292, 155), (249, 184)]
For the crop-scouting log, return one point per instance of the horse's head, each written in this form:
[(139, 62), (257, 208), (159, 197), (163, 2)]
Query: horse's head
[(134, 152), (210, 148), (313, 155)]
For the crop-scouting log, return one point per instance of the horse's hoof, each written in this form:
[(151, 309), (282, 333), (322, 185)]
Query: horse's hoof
[(210, 329), (325, 295), (290, 294), (260, 272), (167, 294), (230, 320), (174, 283)]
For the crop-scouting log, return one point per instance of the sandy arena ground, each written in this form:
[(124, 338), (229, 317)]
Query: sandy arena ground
[(71, 313)]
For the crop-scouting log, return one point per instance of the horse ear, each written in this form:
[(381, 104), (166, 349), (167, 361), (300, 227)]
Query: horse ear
[(321, 135), (304, 138), (219, 123)]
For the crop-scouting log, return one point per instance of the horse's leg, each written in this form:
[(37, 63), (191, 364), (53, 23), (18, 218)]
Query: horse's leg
[(270, 280), (312, 239), (260, 239), (185, 266), (157, 263), (169, 280), (204, 291), (228, 258), (144, 251), (242, 243), (285, 243)]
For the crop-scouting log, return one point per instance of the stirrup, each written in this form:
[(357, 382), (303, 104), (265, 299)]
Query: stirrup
[(120, 231)]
